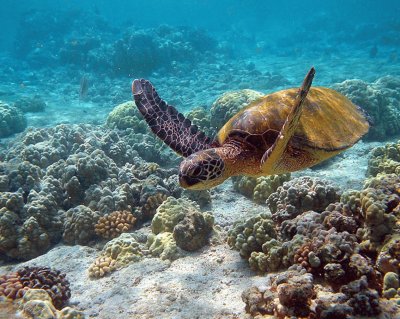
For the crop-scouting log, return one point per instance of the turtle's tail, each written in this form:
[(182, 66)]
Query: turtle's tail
[(166, 122)]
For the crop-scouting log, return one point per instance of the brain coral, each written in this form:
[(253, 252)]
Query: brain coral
[(229, 104), (381, 100), (12, 120)]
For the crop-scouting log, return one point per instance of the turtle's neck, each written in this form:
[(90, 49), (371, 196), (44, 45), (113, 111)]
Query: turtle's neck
[(239, 161)]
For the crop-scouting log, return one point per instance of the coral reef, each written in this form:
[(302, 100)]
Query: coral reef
[(112, 225), (163, 245), (142, 51), (348, 251), (201, 117), (294, 294), (37, 303), (381, 100), (116, 254), (300, 195), (30, 104), (179, 223), (193, 231), (229, 104), (79, 225), (126, 115), (15, 285), (259, 188), (12, 120), (385, 159), (57, 182)]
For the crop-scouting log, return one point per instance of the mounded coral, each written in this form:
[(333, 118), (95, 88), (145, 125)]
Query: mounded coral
[(381, 100), (385, 159), (179, 223), (15, 285), (389, 256), (300, 195), (116, 254), (391, 286), (79, 225), (142, 51), (163, 245), (229, 104), (30, 104), (126, 115), (193, 231), (260, 188), (112, 225), (201, 117), (37, 303), (12, 120), (56, 182)]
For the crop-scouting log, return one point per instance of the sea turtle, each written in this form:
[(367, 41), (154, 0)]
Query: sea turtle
[(281, 132)]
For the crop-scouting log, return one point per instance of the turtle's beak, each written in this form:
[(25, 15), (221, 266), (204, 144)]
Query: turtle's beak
[(187, 181)]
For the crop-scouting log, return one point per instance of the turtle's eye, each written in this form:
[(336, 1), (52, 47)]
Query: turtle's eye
[(196, 171)]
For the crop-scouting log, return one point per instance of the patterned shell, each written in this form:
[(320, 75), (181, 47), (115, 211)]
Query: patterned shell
[(329, 121)]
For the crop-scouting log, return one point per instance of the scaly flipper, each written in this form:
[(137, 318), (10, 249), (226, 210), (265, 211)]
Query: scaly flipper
[(273, 157), (166, 122)]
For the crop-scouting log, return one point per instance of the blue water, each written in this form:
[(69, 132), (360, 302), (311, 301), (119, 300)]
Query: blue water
[(46, 47)]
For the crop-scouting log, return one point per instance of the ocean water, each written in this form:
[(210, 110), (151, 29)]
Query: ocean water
[(88, 190)]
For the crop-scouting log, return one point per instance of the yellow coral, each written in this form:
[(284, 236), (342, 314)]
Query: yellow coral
[(259, 188), (102, 266), (114, 224), (116, 254)]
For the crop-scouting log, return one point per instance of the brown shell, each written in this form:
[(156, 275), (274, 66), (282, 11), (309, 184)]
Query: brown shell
[(329, 121)]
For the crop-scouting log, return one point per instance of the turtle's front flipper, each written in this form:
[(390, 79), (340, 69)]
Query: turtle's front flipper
[(273, 157), (166, 122)]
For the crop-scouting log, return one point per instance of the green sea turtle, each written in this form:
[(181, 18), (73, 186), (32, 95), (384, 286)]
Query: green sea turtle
[(281, 132)]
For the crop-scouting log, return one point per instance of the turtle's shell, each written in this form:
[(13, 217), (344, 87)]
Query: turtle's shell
[(329, 121)]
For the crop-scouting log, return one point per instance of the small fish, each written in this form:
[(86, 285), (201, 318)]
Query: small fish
[(84, 87)]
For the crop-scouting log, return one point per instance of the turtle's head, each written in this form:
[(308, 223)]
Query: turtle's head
[(202, 170)]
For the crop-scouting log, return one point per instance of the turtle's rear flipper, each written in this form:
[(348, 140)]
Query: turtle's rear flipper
[(166, 122), (273, 158)]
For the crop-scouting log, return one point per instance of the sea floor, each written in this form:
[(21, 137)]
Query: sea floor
[(204, 284)]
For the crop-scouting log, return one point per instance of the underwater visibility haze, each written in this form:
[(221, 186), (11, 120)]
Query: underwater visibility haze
[(174, 159)]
